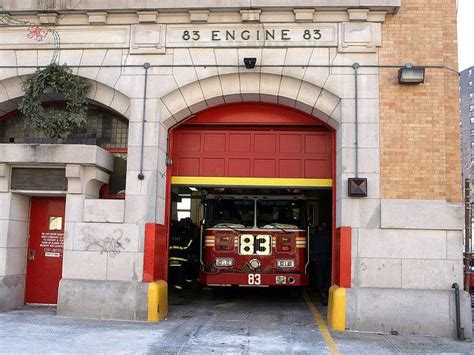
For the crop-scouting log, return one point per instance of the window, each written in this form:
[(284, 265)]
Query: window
[(115, 189), (470, 84), (472, 132), (102, 128), (221, 213), (472, 144), (471, 108), (55, 223), (470, 72), (471, 95), (184, 207), (472, 120), (286, 214)]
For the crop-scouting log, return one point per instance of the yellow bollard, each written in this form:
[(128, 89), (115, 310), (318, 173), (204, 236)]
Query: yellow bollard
[(330, 303), (337, 308), (157, 301)]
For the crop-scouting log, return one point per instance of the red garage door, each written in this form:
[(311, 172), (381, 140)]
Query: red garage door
[(252, 144)]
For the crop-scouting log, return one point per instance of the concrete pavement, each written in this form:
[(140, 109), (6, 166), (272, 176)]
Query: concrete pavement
[(251, 322)]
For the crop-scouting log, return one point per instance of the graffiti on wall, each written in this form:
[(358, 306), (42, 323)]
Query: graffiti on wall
[(113, 243)]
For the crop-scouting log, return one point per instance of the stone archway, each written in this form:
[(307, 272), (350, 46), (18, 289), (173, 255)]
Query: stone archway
[(257, 87), (11, 94)]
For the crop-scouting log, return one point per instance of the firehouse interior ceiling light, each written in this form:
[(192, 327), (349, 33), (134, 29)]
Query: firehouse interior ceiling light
[(250, 62), (411, 75)]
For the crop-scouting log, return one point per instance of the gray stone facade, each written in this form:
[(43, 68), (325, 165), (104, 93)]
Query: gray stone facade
[(396, 243)]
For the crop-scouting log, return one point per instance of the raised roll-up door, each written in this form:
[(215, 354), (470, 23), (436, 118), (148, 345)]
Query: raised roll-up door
[(233, 154)]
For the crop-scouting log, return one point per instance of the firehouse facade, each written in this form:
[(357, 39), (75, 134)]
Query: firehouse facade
[(248, 95)]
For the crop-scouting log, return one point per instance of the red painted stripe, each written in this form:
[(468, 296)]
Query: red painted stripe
[(342, 257)]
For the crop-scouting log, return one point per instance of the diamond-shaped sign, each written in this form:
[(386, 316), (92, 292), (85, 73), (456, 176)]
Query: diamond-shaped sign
[(357, 187)]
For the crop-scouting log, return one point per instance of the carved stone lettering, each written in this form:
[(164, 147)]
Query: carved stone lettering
[(278, 35)]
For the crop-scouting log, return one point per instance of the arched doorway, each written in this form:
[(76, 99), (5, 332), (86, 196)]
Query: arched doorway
[(40, 188), (254, 151)]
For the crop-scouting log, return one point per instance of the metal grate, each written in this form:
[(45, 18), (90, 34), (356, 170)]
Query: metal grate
[(39, 179)]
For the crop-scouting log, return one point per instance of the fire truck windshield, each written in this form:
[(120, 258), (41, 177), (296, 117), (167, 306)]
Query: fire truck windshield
[(281, 214), (230, 213)]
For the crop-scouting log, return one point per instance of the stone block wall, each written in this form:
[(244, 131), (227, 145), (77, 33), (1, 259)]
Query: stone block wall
[(14, 217)]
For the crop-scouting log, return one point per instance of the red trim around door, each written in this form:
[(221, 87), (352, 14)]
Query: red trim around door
[(229, 117)]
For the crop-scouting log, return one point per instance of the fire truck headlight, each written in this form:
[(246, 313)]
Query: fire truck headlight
[(254, 263), (285, 263), (223, 262)]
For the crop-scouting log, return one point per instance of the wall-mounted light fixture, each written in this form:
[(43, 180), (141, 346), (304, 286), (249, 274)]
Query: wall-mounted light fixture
[(410, 74), (250, 63), (357, 187)]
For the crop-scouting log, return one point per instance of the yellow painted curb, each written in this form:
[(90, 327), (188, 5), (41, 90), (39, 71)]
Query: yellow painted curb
[(337, 308), (157, 301)]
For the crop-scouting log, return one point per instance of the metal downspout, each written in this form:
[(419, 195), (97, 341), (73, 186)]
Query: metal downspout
[(141, 176), (459, 329), (356, 66)]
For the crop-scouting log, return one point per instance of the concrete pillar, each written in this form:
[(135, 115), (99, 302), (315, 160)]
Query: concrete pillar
[(14, 217)]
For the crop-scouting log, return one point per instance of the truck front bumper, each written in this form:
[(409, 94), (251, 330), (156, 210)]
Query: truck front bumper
[(252, 279)]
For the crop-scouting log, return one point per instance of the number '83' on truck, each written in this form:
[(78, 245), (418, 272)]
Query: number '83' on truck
[(255, 241)]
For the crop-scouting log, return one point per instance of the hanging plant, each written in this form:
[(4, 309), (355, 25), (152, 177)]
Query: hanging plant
[(57, 79)]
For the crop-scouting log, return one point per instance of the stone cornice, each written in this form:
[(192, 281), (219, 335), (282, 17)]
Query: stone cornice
[(14, 6)]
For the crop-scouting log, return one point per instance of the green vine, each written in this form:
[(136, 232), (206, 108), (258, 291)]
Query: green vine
[(60, 80)]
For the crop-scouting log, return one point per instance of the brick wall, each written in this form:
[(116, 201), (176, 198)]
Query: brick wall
[(420, 148)]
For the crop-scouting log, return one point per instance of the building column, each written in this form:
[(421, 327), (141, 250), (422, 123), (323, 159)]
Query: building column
[(14, 225)]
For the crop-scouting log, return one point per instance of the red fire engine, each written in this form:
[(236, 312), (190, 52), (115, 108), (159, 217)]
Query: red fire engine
[(254, 240)]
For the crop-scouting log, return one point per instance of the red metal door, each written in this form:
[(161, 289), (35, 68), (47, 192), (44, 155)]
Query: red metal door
[(253, 140), (270, 152), (45, 250)]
